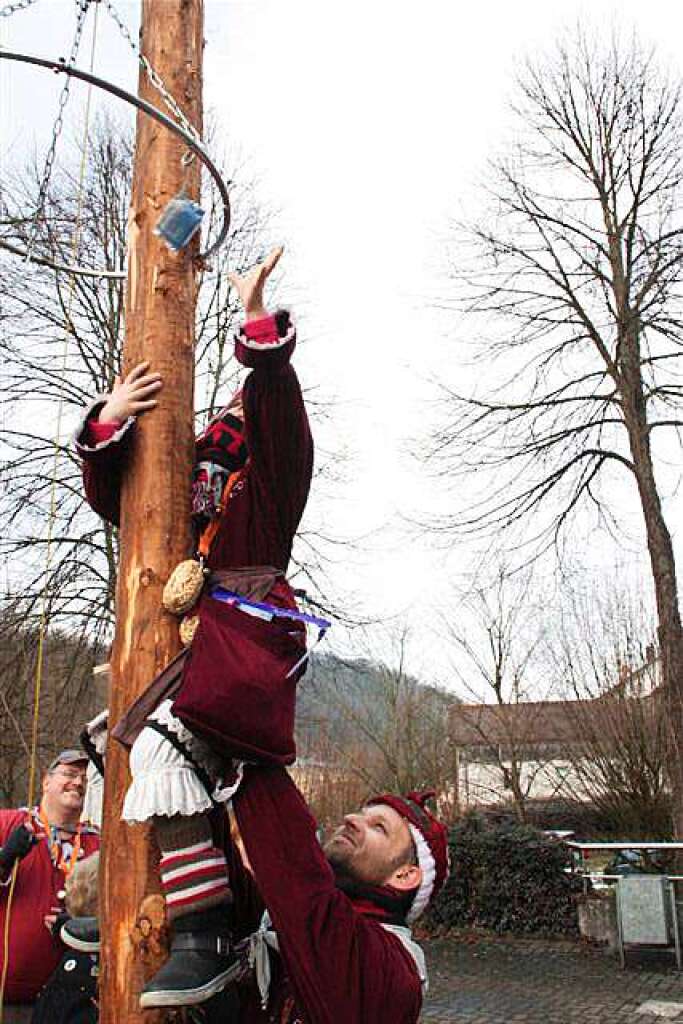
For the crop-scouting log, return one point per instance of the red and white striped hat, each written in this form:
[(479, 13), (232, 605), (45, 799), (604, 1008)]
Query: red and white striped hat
[(431, 844)]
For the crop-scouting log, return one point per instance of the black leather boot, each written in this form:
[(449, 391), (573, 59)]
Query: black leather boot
[(201, 963)]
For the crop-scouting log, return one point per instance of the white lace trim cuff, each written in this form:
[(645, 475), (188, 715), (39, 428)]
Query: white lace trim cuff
[(164, 792)]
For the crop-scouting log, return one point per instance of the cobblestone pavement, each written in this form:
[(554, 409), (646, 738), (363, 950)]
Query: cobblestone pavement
[(476, 980)]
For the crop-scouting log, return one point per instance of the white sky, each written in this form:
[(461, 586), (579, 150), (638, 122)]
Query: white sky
[(368, 124)]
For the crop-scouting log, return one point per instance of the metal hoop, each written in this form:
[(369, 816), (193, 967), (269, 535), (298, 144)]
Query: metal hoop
[(147, 108)]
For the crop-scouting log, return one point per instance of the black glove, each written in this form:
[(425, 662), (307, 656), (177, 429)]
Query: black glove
[(18, 844), (60, 921)]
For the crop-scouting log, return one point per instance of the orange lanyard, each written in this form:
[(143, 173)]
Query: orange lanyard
[(206, 539), (56, 850)]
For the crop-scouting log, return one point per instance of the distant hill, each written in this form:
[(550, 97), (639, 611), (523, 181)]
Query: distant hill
[(69, 697), (387, 727)]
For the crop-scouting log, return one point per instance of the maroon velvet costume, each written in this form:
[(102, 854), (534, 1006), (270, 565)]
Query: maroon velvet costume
[(259, 524), (338, 962), (257, 527)]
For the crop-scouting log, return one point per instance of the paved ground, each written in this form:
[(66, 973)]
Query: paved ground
[(494, 981)]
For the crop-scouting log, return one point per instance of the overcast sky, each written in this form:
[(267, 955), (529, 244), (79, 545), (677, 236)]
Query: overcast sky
[(368, 124)]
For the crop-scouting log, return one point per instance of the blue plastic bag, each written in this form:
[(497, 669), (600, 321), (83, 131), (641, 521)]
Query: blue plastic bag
[(179, 222)]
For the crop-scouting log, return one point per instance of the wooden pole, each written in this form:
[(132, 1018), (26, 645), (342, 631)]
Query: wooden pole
[(155, 530)]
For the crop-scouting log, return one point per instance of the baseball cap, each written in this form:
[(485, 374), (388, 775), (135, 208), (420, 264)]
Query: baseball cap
[(68, 757)]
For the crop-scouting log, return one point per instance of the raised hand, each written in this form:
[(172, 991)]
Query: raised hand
[(132, 396), (249, 286)]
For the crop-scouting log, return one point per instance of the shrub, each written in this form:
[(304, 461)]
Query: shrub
[(507, 878)]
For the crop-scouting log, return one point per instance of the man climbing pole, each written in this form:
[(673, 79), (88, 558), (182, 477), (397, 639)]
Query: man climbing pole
[(335, 943), (247, 639)]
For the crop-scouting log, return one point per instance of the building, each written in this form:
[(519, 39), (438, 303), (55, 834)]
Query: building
[(545, 750)]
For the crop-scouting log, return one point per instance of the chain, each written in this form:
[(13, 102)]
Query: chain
[(153, 76), (58, 125), (18, 5), (158, 84)]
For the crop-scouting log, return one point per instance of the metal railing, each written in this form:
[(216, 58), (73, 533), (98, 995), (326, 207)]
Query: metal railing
[(596, 876), (600, 876)]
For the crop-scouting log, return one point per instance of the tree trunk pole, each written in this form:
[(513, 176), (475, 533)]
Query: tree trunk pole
[(155, 530), (662, 559)]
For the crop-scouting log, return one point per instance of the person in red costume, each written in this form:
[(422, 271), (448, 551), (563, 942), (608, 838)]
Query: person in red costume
[(335, 944), (42, 845), (250, 485)]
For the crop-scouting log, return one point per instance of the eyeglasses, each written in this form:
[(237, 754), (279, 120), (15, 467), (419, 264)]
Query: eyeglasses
[(70, 773)]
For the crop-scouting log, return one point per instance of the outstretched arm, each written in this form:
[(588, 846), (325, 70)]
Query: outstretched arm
[(342, 966), (276, 425)]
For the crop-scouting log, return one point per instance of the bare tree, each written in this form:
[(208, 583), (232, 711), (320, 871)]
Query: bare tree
[(60, 344), (329, 787), (606, 662), (577, 273), (494, 637), (379, 725), (67, 699)]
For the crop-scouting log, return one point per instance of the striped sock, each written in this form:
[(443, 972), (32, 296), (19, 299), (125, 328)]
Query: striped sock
[(194, 878), (194, 872)]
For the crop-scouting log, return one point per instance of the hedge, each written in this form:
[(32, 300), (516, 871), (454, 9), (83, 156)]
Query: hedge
[(507, 878)]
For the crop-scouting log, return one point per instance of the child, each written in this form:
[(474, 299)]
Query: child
[(70, 995)]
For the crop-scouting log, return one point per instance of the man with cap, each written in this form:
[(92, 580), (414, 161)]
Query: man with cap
[(41, 846), (335, 943)]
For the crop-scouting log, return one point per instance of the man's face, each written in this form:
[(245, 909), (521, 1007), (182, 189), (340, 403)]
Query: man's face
[(64, 787), (374, 846)]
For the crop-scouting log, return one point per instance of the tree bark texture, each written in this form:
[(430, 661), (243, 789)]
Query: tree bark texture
[(660, 549), (155, 531), (629, 380)]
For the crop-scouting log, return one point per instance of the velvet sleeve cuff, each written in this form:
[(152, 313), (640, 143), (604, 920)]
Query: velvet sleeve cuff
[(95, 432), (91, 436), (266, 343), (261, 332)]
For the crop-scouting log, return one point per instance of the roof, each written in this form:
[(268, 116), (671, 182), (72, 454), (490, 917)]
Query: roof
[(547, 721)]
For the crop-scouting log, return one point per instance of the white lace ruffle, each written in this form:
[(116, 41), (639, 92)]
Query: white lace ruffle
[(165, 792), (164, 715), (164, 782)]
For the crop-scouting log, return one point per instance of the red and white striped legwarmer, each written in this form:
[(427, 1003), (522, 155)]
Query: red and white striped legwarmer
[(194, 878)]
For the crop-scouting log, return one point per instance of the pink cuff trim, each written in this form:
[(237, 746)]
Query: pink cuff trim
[(262, 331), (96, 433)]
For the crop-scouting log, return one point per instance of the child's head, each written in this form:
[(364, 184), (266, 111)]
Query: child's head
[(82, 888)]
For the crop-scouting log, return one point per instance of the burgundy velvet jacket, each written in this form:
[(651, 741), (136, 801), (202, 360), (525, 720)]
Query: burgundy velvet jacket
[(33, 952), (337, 961), (257, 528)]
